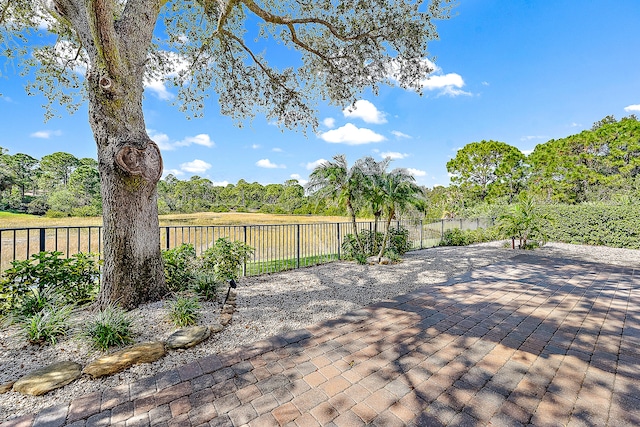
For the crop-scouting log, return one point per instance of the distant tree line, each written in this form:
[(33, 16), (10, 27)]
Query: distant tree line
[(600, 165), (58, 183)]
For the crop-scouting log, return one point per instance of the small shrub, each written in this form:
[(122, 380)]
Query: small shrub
[(454, 237), (371, 241), (393, 256), (183, 311), (224, 258), (110, 327), (47, 324), (74, 279), (205, 285), (360, 258), (179, 267)]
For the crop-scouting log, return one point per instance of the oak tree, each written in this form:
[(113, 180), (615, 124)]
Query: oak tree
[(105, 51)]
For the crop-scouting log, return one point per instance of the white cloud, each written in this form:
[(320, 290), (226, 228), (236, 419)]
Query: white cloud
[(196, 166), (45, 134), (416, 172), (164, 142), (200, 139), (277, 150), (174, 172), (531, 137), (485, 83), (351, 135), (220, 183), (393, 155), (526, 152), (446, 84), (313, 165), (298, 178), (329, 122), (366, 111), (635, 107), (268, 164), (156, 84), (162, 139), (575, 125), (399, 134)]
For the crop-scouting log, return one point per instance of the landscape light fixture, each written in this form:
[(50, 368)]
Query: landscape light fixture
[(232, 284)]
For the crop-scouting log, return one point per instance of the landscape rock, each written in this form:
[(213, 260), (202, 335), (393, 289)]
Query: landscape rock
[(225, 319), (5, 388), (121, 360), (49, 378), (228, 309), (188, 337), (215, 328)]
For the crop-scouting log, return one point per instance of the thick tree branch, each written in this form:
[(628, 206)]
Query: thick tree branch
[(101, 23)]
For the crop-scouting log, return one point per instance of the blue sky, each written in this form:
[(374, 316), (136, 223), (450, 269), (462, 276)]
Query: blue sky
[(516, 71)]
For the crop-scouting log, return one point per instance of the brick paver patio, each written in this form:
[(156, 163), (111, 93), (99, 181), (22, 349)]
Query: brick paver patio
[(530, 341)]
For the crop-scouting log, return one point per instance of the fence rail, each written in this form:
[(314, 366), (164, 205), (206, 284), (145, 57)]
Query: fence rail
[(277, 247)]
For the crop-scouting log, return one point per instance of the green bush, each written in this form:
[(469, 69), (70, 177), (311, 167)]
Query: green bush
[(179, 267), (595, 224), (458, 237), (47, 324), (398, 243), (224, 258), (74, 279), (203, 275), (110, 327), (183, 311)]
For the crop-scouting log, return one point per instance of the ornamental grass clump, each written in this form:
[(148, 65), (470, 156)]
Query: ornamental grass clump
[(183, 311), (47, 325), (111, 327)]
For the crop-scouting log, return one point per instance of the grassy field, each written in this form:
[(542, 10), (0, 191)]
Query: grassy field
[(11, 220)]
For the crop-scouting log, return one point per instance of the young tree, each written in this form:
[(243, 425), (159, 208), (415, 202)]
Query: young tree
[(344, 47), (399, 190), (342, 184)]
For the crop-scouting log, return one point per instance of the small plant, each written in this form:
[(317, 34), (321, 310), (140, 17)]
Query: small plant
[(74, 279), (179, 267), (205, 285), (393, 256), (183, 311), (110, 327), (47, 324), (225, 258), (360, 258)]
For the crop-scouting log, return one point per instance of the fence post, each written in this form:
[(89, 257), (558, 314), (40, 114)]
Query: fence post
[(42, 239), (339, 245), (297, 245), (244, 239), (167, 235), (421, 236)]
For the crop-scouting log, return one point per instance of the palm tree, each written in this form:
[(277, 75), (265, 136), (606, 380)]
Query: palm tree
[(336, 181), (399, 190), (524, 222), (372, 192)]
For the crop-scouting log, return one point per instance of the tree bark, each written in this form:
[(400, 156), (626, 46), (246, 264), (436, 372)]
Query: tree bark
[(130, 163), (130, 166)]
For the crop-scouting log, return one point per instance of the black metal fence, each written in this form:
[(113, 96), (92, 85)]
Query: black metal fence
[(277, 247)]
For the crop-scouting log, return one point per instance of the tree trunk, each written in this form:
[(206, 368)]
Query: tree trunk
[(386, 235), (352, 213), (130, 166)]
